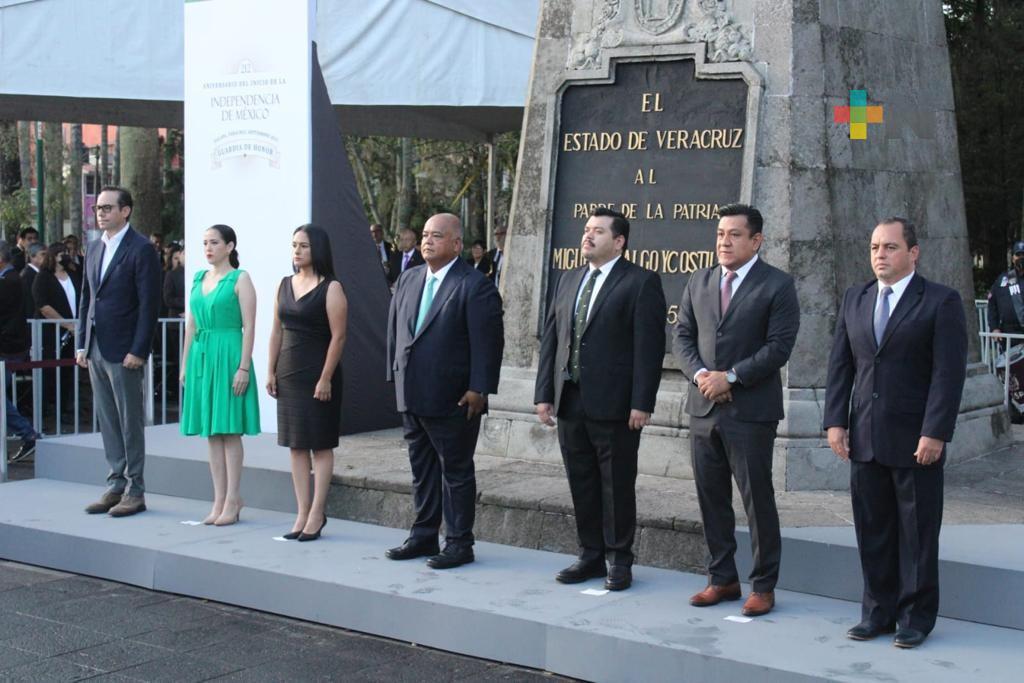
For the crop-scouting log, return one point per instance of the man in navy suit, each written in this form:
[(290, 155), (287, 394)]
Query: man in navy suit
[(117, 319), (900, 352), (445, 340)]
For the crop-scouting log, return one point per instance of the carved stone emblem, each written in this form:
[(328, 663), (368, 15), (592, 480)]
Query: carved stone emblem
[(658, 16)]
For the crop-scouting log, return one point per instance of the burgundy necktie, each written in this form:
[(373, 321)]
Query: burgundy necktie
[(727, 290)]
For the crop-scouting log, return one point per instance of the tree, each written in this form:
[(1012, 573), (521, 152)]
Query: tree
[(53, 187), (986, 46), (140, 173), (76, 156)]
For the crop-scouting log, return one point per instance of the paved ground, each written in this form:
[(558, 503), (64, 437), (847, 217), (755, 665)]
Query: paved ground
[(61, 627)]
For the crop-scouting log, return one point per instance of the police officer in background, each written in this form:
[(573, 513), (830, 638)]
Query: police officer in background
[(1005, 301)]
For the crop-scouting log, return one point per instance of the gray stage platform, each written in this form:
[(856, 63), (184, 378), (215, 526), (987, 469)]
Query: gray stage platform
[(817, 560), (504, 607)]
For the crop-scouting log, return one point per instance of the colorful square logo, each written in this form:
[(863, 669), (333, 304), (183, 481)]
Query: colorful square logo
[(858, 114)]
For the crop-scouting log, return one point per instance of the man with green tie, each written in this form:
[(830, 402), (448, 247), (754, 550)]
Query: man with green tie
[(445, 340)]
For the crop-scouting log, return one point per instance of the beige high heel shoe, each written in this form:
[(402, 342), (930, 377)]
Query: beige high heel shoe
[(225, 519)]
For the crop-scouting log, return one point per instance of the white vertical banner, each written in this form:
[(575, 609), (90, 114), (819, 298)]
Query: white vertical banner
[(248, 142)]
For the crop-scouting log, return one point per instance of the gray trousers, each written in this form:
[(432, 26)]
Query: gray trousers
[(117, 400)]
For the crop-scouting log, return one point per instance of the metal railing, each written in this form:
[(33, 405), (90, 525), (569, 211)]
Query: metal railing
[(50, 369)]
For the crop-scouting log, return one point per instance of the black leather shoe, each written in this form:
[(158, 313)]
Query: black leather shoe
[(908, 638), (413, 548), (866, 630), (452, 556), (581, 570), (619, 578)]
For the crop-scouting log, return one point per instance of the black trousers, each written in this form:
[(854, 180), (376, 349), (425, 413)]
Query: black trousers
[(897, 512), (600, 459), (723, 448), (443, 476)]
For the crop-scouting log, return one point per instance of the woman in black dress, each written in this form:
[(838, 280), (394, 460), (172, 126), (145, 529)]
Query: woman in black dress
[(306, 341), (55, 294)]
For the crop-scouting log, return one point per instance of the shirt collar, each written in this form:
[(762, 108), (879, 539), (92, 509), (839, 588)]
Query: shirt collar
[(116, 239), (32, 267), (897, 287), (742, 271), (606, 268), (439, 275)]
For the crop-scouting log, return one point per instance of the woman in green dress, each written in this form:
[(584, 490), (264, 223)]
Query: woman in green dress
[(220, 400)]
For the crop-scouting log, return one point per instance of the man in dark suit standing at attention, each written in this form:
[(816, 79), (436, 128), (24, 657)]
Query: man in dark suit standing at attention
[(406, 256), (737, 325), (600, 366), (445, 340), (900, 352), (117, 318)]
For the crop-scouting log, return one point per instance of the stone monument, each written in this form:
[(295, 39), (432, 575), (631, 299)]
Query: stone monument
[(668, 109)]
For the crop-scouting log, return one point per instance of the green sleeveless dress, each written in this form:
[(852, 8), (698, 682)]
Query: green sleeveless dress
[(209, 406)]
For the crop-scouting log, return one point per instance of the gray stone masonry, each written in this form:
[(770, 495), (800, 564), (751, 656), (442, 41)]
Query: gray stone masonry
[(820, 192)]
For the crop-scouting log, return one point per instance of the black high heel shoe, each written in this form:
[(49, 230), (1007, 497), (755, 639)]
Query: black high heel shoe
[(312, 537), (292, 535)]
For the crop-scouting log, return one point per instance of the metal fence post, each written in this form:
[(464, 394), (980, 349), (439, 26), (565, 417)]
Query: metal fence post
[(3, 422)]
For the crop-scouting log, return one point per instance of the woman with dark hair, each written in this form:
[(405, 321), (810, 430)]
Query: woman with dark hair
[(55, 294), (478, 257), (174, 282), (220, 400), (306, 342)]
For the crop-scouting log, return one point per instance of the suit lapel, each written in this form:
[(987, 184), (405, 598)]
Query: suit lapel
[(613, 279), (458, 271), (911, 298), (573, 280), (411, 300), (118, 256), (866, 311), (754, 276)]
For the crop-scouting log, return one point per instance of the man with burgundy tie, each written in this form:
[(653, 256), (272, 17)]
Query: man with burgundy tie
[(900, 353), (405, 257), (601, 356), (737, 325)]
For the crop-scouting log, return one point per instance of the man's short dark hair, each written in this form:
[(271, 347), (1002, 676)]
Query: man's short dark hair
[(909, 229), (25, 232), (620, 226), (124, 197), (754, 218)]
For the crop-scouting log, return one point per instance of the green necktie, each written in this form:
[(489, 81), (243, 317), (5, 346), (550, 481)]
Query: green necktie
[(428, 298), (579, 323)]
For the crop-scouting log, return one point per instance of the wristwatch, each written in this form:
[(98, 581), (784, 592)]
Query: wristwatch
[(730, 376)]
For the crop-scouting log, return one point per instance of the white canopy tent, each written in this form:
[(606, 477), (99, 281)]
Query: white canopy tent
[(447, 69)]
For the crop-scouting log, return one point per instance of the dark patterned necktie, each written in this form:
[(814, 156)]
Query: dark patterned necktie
[(580, 322)]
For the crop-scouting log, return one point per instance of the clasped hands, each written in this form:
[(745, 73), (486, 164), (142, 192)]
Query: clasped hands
[(928, 451), (638, 419), (714, 386)]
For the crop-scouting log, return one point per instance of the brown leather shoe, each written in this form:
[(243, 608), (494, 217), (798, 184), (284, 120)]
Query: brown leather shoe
[(129, 505), (106, 501), (712, 595), (758, 604)]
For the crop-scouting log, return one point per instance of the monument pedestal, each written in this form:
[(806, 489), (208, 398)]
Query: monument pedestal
[(717, 101)]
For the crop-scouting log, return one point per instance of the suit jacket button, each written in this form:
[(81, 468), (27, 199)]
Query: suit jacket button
[(877, 361), (874, 395), (719, 334)]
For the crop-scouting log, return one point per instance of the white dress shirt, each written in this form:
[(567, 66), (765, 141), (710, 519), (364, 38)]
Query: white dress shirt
[(897, 292), (439, 274), (605, 270), (110, 246), (69, 293), (741, 273)]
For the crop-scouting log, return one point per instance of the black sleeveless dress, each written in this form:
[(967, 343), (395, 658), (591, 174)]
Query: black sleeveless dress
[(303, 421)]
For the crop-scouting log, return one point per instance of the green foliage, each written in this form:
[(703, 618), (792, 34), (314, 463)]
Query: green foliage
[(443, 171), (16, 211), (986, 46)]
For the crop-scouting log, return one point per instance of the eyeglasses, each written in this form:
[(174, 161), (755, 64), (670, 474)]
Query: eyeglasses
[(105, 208)]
